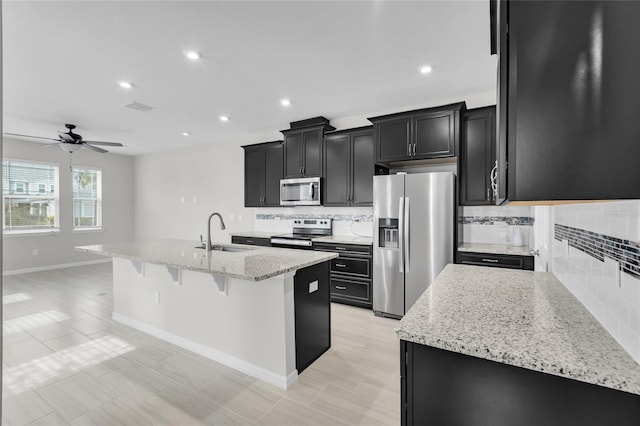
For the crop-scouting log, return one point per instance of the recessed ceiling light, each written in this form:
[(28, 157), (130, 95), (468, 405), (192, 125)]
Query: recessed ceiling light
[(185, 133), (426, 69), (192, 54), (224, 118), (126, 84), (285, 102)]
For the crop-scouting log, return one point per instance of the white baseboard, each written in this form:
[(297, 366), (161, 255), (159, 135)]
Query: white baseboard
[(51, 267), (283, 382)]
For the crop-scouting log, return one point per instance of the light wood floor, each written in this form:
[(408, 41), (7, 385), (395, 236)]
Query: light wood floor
[(67, 363)]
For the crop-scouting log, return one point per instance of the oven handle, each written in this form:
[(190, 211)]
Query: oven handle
[(284, 241)]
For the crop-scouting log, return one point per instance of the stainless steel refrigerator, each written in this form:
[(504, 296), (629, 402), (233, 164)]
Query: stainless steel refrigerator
[(414, 218)]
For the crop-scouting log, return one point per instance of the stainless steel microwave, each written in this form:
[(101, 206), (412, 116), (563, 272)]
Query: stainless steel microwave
[(300, 192)]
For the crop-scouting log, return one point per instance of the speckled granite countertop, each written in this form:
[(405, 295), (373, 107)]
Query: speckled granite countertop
[(344, 239), (254, 264), (521, 318), (495, 249)]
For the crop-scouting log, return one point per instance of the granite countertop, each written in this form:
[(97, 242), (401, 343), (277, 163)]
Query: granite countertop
[(495, 249), (254, 264), (521, 318), (345, 239)]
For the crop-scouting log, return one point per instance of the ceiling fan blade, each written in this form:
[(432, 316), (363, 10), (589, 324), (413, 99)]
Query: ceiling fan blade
[(66, 137), (94, 148), (29, 136), (104, 143)]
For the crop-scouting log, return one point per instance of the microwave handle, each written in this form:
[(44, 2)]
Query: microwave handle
[(312, 190)]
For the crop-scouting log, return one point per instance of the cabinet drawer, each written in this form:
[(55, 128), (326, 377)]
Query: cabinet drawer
[(251, 241), (350, 289), (365, 250), (496, 260), (351, 265)]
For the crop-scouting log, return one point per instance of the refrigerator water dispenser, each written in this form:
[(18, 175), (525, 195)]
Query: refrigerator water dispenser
[(388, 233)]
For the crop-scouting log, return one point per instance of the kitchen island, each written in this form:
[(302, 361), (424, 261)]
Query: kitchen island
[(263, 311), (506, 347)]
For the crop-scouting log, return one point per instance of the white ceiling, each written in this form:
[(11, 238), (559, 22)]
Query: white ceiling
[(62, 62)]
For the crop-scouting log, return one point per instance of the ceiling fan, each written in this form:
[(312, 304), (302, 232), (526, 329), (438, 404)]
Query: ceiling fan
[(71, 142)]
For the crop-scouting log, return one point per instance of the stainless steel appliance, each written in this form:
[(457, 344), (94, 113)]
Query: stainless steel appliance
[(414, 219), (304, 230), (300, 192)]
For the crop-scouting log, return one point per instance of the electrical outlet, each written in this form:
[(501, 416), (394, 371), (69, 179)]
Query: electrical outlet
[(195, 200), (239, 218), (35, 252), (231, 217), (181, 200), (156, 296)]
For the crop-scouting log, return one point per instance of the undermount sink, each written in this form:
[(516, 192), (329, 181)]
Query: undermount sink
[(228, 248)]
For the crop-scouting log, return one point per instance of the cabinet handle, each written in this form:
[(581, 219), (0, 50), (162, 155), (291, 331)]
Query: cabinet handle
[(249, 241), (490, 260), (339, 287), (494, 180), (414, 148), (340, 248), (341, 265)]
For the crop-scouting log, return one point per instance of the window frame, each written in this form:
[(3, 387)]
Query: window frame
[(98, 200), (55, 196)]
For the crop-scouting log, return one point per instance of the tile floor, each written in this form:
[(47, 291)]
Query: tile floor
[(67, 363)]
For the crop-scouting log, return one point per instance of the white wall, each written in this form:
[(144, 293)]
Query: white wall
[(58, 249), (612, 296)]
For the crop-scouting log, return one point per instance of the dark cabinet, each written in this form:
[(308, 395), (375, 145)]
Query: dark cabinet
[(418, 135), (252, 241), (477, 160), (350, 273), (349, 168), (440, 387), (569, 94), (303, 152), (510, 261), (262, 173)]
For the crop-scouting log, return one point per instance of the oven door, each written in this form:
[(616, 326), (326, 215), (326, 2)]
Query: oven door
[(291, 243), (300, 192)]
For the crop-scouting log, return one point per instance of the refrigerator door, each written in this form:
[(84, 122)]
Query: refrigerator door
[(428, 230), (388, 278)]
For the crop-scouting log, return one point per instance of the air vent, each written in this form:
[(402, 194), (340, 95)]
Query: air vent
[(139, 107)]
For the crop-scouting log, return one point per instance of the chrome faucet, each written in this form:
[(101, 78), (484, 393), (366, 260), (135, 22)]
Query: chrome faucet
[(209, 246)]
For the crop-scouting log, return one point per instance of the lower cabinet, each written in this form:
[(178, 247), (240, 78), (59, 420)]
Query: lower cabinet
[(511, 261), (440, 387), (265, 242), (350, 273)]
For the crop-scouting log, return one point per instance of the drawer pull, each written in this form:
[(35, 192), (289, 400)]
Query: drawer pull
[(249, 241), (339, 287), (340, 248), (341, 265), (490, 260)]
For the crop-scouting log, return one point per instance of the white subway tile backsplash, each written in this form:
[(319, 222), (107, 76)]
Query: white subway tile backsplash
[(596, 255)]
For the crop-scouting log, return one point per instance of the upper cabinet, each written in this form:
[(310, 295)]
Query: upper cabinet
[(569, 93), (477, 159), (349, 168), (263, 166), (417, 135), (303, 147)]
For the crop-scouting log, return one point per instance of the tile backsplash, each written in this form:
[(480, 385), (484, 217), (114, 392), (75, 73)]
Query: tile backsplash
[(596, 255), (356, 221), (496, 224)]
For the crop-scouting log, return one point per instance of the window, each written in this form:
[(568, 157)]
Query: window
[(26, 208), (87, 198)]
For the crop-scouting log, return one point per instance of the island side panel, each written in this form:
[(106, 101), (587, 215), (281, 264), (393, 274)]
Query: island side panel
[(250, 329)]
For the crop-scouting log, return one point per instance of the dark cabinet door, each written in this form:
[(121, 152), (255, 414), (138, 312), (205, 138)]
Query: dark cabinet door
[(273, 168), (337, 179), (363, 168), (393, 139), (293, 147), (573, 96), (253, 176), (434, 135), (477, 157), (312, 152)]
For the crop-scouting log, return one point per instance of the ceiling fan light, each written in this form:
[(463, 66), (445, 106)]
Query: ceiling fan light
[(70, 147)]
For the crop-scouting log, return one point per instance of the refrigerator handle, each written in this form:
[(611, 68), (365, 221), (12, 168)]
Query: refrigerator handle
[(401, 232), (407, 254)]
